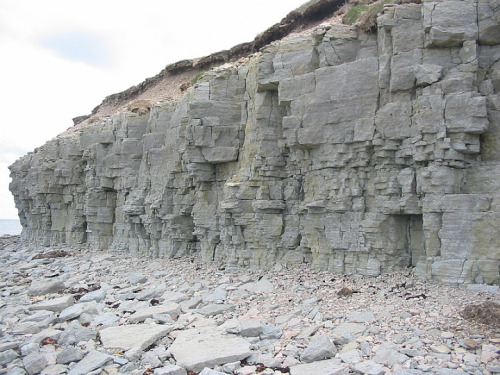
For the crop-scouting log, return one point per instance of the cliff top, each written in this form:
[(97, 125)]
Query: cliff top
[(177, 77)]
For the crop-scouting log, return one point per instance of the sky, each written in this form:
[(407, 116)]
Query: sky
[(60, 58)]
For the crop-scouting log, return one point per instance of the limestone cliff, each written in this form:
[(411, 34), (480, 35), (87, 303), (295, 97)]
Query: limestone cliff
[(359, 153)]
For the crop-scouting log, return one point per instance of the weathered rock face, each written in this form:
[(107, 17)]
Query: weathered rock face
[(358, 153)]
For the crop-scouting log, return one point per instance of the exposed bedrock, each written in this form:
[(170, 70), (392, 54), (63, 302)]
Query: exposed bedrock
[(358, 153)]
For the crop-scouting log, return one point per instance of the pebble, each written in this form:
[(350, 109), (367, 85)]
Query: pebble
[(110, 313)]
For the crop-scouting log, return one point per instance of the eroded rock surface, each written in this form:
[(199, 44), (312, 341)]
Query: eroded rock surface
[(357, 153)]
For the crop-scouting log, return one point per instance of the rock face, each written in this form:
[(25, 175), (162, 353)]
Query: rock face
[(358, 153)]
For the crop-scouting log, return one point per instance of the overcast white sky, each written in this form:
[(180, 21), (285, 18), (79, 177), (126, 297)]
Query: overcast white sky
[(60, 58)]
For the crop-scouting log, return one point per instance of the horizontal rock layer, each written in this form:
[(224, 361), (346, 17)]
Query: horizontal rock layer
[(358, 153)]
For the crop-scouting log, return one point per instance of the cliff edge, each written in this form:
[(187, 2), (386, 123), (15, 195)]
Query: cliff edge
[(358, 153)]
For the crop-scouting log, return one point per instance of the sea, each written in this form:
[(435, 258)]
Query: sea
[(10, 226)]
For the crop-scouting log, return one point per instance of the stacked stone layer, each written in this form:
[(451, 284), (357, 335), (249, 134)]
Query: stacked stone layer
[(358, 153)]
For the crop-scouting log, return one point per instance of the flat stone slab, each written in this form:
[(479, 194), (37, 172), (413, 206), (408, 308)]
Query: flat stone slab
[(171, 308), (483, 288), (214, 309), (132, 336), (92, 361), (261, 286), (349, 330), (327, 367), (74, 311), (41, 287), (360, 317), (55, 304), (369, 368), (194, 350)]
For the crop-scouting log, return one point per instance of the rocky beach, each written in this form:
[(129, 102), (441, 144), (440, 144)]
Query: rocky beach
[(77, 311)]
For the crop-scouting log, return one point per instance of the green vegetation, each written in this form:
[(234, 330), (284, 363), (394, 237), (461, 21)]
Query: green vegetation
[(197, 77), (353, 14), (365, 12)]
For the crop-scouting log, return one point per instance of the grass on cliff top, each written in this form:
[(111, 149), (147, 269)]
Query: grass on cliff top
[(196, 77), (365, 12)]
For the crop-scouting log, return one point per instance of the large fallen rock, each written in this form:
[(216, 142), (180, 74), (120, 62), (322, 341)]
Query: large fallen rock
[(195, 350)]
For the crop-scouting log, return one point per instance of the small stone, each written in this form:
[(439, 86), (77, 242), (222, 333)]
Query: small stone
[(251, 328), (55, 304), (270, 332), (327, 367), (218, 295), (229, 368), (483, 288), (96, 295), (470, 344), (320, 348), (447, 371), (41, 287), (8, 356), (34, 363), (214, 309), (149, 294), (170, 370), (27, 349), (16, 371), (369, 368), (90, 362), (135, 278), (127, 337), (104, 320), (150, 359), (447, 335), (171, 308), (350, 356), (489, 353), (75, 311), (360, 317), (207, 371), (72, 354), (75, 333), (349, 330), (442, 349), (261, 286), (40, 316), (388, 354), (54, 370)]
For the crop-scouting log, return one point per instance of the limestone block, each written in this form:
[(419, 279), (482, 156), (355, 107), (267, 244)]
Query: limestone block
[(359, 78), (489, 21), (268, 205), (428, 114), (403, 70), (129, 336), (393, 120), (364, 130), (295, 87), (338, 45), (196, 350), (427, 74), (450, 271), (448, 23), (466, 113), (296, 56), (408, 34)]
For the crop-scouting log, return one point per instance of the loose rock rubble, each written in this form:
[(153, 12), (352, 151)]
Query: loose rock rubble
[(110, 313)]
